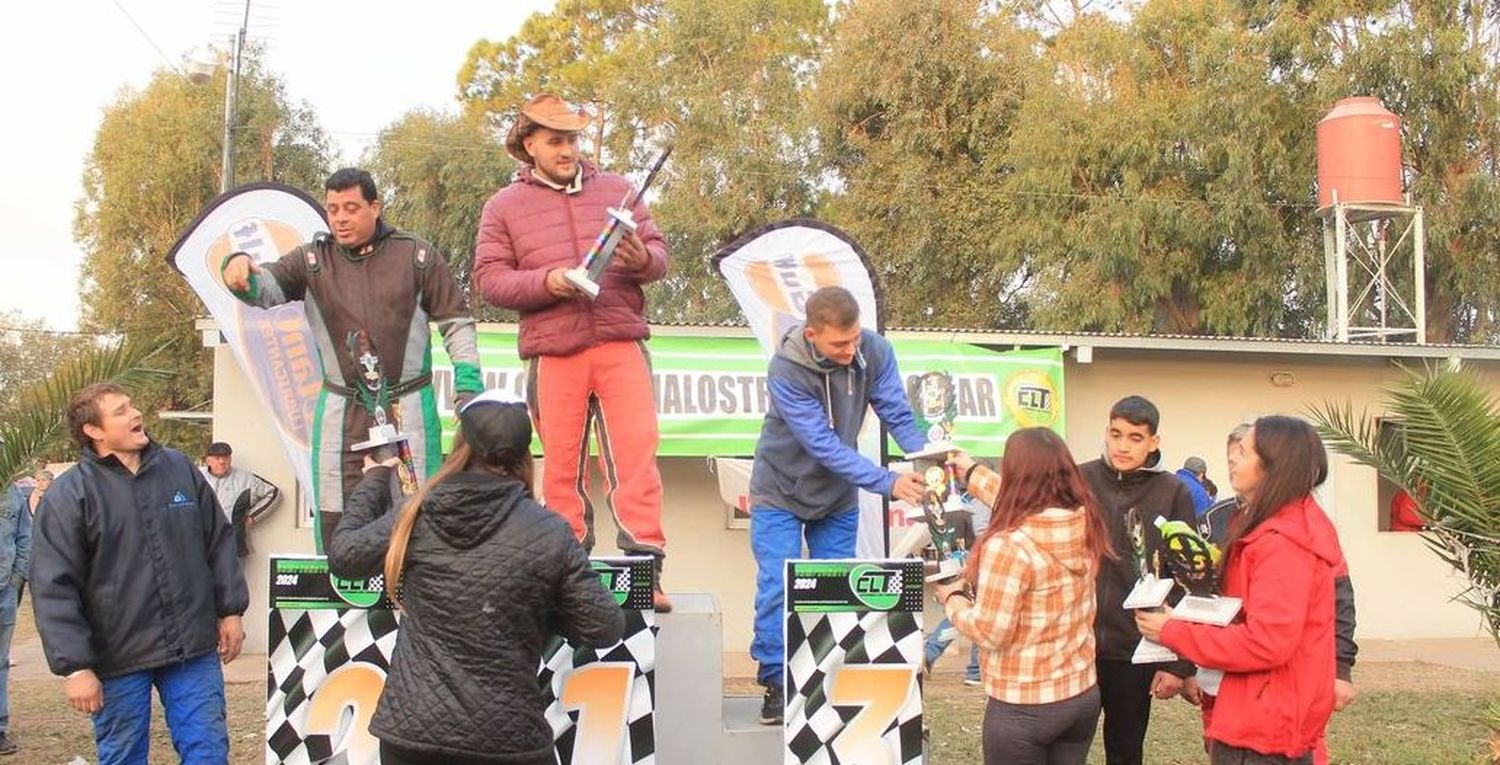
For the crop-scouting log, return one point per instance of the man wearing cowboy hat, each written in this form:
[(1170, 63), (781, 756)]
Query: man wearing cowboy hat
[(586, 359)]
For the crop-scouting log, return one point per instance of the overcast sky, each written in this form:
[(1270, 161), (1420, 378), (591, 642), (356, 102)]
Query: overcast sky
[(66, 60)]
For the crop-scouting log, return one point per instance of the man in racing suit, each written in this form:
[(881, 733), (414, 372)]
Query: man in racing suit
[(369, 292)]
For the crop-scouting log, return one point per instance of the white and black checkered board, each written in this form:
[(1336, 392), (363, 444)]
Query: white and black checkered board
[(638, 648), (818, 645), (309, 645)]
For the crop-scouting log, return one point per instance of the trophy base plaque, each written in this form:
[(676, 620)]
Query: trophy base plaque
[(944, 570), (1149, 592), (1218, 611), (580, 278), (936, 451), (380, 435), (1148, 652)]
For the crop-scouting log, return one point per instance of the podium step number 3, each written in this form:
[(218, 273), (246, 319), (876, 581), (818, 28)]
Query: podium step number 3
[(853, 641)]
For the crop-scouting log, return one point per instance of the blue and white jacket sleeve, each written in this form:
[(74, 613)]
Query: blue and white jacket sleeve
[(888, 397), (808, 421)]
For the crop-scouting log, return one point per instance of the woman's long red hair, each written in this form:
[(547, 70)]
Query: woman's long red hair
[(1037, 473)]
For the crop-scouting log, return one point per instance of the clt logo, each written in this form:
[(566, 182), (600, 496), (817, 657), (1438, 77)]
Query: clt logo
[(615, 580), (876, 587), (1033, 397)]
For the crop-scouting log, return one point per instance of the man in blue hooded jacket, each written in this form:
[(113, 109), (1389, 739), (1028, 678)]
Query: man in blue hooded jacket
[(824, 376)]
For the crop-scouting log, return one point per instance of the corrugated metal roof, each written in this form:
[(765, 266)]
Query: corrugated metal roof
[(1058, 338)]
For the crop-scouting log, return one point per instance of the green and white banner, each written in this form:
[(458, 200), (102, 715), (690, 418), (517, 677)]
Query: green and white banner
[(711, 391)]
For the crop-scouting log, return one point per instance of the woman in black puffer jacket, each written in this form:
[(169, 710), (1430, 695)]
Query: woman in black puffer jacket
[(483, 575)]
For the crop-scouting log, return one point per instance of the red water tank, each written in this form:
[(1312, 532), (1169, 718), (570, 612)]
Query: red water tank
[(1359, 153)]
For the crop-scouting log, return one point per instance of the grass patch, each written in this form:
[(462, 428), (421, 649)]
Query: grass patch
[(1443, 725)]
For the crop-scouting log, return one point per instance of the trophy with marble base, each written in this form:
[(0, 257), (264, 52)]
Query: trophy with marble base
[(1196, 564), (1151, 588), (621, 224), (385, 437)]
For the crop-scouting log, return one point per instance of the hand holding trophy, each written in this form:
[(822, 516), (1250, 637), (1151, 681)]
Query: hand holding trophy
[(1197, 565), (386, 440), (620, 226), (1151, 588)]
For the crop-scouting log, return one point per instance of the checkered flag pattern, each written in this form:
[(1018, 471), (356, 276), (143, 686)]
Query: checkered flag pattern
[(306, 647), (638, 648), (818, 646)]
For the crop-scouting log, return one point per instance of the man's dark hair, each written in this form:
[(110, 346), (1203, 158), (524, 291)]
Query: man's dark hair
[(1136, 410), (83, 409), (348, 178), (832, 306)]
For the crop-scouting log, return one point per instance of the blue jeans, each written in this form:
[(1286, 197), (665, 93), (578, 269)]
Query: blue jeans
[(776, 537), (8, 605), (192, 696), (936, 644)]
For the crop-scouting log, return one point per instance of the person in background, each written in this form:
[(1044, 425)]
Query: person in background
[(245, 496), (1194, 475), (15, 565), (41, 481)]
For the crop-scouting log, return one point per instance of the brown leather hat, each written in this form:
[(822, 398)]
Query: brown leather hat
[(546, 110)]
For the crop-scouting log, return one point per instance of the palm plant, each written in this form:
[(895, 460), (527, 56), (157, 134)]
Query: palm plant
[(1444, 451), (37, 427)]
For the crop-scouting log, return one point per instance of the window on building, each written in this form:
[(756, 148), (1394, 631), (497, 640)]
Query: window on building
[(1398, 510)]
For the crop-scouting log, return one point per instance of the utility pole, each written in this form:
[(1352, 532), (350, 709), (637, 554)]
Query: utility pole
[(231, 102)]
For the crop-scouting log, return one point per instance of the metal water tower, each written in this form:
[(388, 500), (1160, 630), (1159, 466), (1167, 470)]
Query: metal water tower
[(1373, 242)]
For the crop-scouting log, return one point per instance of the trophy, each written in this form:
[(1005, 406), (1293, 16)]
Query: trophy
[(936, 407), (1196, 565), (1150, 590), (386, 439), (933, 402), (938, 499), (621, 223)]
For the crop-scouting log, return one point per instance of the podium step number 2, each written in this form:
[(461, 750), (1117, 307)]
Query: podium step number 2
[(330, 648)]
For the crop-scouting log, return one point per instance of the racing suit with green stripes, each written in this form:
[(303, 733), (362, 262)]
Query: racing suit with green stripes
[(389, 288)]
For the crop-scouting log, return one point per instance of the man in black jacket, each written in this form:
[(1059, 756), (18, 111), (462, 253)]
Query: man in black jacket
[(1129, 475), (136, 584)]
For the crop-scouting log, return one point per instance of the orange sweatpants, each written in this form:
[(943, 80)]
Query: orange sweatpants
[(607, 389)]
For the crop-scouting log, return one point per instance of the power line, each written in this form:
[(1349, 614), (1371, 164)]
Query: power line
[(147, 37), (59, 332)]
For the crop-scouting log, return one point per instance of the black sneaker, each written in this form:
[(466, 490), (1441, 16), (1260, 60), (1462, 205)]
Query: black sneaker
[(772, 706), (6, 745)]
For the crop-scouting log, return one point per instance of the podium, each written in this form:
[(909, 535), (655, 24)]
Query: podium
[(330, 647), (853, 639)]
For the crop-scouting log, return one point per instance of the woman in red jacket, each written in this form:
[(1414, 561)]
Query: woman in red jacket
[(1278, 656)]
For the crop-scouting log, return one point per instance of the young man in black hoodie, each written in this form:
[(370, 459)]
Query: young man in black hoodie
[(1130, 475)]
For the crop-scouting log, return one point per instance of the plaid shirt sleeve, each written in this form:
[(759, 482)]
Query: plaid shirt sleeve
[(984, 485), (1004, 578)]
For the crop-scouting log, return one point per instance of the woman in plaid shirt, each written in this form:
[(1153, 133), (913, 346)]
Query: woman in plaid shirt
[(1032, 614)]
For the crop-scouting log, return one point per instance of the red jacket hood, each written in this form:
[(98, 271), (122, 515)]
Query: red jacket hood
[(1305, 524)]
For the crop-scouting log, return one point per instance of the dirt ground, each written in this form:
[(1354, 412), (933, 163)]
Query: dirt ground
[(1408, 712)]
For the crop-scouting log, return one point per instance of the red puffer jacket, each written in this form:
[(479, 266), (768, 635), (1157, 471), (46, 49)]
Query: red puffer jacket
[(529, 228), (1278, 656)]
